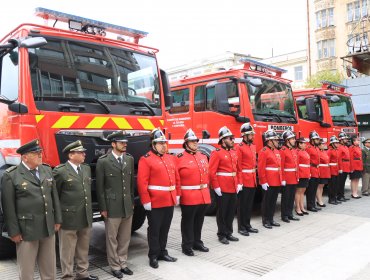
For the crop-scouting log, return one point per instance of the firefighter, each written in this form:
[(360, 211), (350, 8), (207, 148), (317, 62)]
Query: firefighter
[(158, 186), (344, 165), (334, 170), (270, 177), (304, 175), (223, 167), (115, 192), (366, 164), (356, 166), (73, 182), (289, 168), (32, 212), (193, 171), (314, 152), (247, 166), (324, 173)]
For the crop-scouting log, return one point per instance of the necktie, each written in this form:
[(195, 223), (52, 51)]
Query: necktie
[(119, 161), (79, 171), (34, 173)]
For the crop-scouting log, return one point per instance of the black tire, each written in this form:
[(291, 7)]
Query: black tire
[(139, 218), (7, 247)]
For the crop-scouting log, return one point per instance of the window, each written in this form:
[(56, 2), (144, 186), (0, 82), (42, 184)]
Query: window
[(356, 10), (9, 75), (324, 18), (304, 114), (298, 73), (331, 17), (180, 101), (349, 12), (199, 99), (325, 49), (358, 42)]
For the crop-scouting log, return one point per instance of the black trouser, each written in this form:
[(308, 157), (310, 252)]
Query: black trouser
[(159, 221), (192, 218), (225, 214), (342, 182), (269, 203), (333, 188), (311, 192), (287, 200), (244, 208)]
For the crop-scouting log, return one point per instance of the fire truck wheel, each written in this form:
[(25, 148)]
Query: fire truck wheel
[(139, 218)]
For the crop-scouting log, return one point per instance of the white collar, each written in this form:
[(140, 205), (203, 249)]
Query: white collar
[(74, 166), (25, 165)]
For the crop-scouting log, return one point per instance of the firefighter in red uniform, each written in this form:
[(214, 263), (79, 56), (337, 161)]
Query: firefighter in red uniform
[(324, 173), (334, 170), (193, 170), (247, 176), (314, 152), (304, 174), (158, 182), (270, 177), (223, 167), (344, 165), (289, 168), (356, 166)]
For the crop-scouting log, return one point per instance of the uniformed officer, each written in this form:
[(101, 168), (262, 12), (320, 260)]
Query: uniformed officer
[(158, 186), (193, 170), (324, 173), (314, 152), (290, 174), (115, 192), (270, 177), (304, 175), (344, 164), (247, 164), (223, 174), (366, 163), (356, 166), (73, 182), (334, 170), (32, 212)]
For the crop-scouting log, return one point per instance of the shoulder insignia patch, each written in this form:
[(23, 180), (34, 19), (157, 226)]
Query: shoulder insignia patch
[(103, 156), (264, 149), (59, 166), (11, 168), (46, 164), (180, 155), (147, 155)]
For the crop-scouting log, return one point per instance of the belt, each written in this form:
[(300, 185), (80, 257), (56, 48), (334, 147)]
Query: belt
[(273, 168), (162, 188), (249, 170), (323, 165), (314, 165), (333, 164), (356, 158), (195, 187), (304, 165), (345, 159), (228, 174), (290, 169)]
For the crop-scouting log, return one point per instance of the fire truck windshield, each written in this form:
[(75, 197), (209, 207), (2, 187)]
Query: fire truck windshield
[(99, 78), (341, 110), (271, 100)]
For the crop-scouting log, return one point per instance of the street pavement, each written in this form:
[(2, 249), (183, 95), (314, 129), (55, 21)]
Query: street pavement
[(331, 244)]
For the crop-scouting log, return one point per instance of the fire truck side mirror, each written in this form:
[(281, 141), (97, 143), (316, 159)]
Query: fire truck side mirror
[(17, 107), (205, 134), (324, 124), (311, 111), (34, 42), (242, 119), (166, 90)]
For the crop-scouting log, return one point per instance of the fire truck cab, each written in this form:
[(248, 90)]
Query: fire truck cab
[(62, 85), (328, 110)]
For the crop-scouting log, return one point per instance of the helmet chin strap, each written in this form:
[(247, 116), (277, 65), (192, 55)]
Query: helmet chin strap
[(188, 148)]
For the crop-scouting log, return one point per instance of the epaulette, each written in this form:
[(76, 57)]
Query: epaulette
[(180, 155), (59, 166), (264, 149), (84, 163), (46, 164), (129, 155), (147, 155), (103, 156), (218, 149), (11, 168)]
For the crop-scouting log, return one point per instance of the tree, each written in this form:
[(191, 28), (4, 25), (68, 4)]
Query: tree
[(326, 75)]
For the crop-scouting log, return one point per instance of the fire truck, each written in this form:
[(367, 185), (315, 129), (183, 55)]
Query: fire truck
[(254, 92), (328, 110), (77, 83)]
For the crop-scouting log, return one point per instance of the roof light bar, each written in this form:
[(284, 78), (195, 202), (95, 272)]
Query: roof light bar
[(333, 86), (262, 67), (91, 26)]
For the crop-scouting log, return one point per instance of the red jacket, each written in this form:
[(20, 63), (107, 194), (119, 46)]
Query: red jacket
[(333, 161), (158, 180), (304, 164), (356, 163), (247, 164), (289, 165), (193, 171), (344, 158), (269, 167), (324, 165), (313, 151), (223, 170)]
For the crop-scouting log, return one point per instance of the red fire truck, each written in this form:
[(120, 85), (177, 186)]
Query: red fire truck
[(60, 85), (328, 110)]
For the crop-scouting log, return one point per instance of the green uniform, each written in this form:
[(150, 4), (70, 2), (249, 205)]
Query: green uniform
[(30, 208), (75, 195), (366, 159), (115, 185)]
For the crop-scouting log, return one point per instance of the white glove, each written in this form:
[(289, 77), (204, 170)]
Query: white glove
[(283, 183), (239, 188), (177, 200), (148, 206), (340, 171), (218, 191), (265, 186)]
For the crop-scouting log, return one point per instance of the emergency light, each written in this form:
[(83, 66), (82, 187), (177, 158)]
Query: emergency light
[(261, 67), (89, 26), (333, 86)]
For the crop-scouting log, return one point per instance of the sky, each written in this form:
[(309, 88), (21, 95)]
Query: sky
[(185, 31)]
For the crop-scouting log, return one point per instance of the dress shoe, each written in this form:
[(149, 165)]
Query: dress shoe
[(91, 277), (127, 271), (299, 214), (333, 202), (223, 240), (153, 262), (305, 213), (243, 232), (356, 197), (317, 209), (292, 218), (167, 258), (321, 205), (117, 273), (285, 219), (232, 238), (188, 252), (312, 209), (275, 224), (345, 198), (201, 248), (267, 225), (365, 194), (341, 199), (252, 230)]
